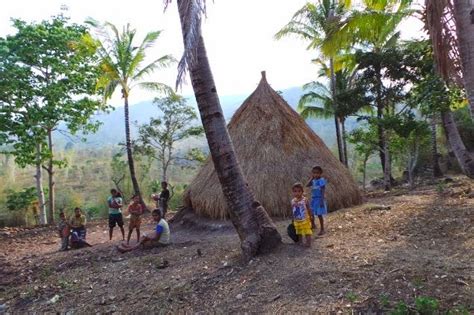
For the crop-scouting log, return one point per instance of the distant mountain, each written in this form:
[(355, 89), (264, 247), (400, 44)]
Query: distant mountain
[(112, 130)]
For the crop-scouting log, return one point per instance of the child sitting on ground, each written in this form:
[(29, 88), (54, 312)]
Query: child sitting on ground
[(136, 210), (63, 231), (159, 237), (78, 226), (318, 200), (301, 215)]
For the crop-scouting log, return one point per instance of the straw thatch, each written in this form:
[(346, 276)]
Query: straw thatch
[(275, 149)]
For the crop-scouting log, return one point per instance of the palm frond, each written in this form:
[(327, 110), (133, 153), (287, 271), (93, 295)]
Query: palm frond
[(162, 62), (190, 13), (156, 87)]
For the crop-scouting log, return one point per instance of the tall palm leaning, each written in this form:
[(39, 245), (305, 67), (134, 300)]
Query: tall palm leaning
[(255, 228), (374, 30), (122, 67), (464, 15), (437, 17), (313, 23)]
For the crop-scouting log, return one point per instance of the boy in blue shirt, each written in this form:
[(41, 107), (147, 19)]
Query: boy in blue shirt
[(318, 200)]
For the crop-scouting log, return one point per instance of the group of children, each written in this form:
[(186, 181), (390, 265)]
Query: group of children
[(73, 231), (302, 225), (304, 212), (75, 227)]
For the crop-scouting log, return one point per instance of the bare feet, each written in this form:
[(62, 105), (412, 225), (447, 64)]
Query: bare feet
[(321, 233)]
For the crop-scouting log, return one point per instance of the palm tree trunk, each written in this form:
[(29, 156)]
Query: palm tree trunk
[(256, 230), (340, 149), (387, 178), (434, 149), (51, 183), (463, 156), (344, 142), (464, 15), (43, 219), (128, 144)]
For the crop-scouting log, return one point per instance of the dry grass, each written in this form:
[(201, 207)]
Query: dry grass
[(275, 148)]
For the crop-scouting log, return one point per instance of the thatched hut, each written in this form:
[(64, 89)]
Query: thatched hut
[(275, 148)]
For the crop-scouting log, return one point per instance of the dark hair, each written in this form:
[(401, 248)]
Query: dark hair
[(164, 183), (318, 168), (297, 185), (77, 208), (113, 190), (156, 212)]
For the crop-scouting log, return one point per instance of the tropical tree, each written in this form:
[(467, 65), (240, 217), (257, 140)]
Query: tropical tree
[(314, 23), (318, 102), (463, 13), (255, 228), (122, 66), (438, 17), (49, 79), (158, 138), (365, 144), (373, 30)]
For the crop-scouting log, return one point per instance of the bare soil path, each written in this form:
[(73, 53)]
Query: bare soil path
[(370, 258)]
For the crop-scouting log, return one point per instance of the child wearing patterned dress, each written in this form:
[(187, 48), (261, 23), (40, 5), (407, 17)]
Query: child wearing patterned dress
[(301, 215), (318, 201)]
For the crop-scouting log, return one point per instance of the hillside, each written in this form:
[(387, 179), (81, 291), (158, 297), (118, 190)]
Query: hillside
[(413, 253), (112, 129)]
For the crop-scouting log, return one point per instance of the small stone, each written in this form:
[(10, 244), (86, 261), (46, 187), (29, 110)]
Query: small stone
[(239, 296), (54, 299)]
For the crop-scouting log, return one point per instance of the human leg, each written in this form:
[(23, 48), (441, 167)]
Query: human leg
[(321, 223)]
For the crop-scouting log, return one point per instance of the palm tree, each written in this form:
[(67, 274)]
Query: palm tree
[(255, 228), (438, 20), (374, 30), (314, 23), (319, 101), (121, 63), (464, 16)]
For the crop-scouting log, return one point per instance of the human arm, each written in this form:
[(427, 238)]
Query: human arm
[(310, 182), (323, 190)]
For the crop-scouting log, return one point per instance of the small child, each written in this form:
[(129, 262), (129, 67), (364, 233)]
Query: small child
[(63, 231), (136, 210), (301, 215), (162, 199), (318, 201)]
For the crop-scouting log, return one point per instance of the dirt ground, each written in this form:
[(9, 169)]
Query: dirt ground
[(418, 243)]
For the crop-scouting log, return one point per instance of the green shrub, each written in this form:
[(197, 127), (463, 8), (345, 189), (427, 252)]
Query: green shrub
[(426, 305)]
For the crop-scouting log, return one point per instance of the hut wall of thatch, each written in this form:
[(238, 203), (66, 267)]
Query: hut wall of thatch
[(275, 148)]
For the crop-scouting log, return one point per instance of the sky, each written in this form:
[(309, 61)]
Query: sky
[(238, 36)]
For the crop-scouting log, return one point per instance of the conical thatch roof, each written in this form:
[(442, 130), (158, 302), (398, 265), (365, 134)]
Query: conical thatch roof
[(275, 148)]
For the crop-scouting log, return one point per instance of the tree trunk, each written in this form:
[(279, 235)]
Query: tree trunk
[(434, 149), (387, 170), (256, 230), (364, 172), (43, 219), (340, 149), (463, 156), (344, 142), (464, 16), (50, 171), (128, 144)]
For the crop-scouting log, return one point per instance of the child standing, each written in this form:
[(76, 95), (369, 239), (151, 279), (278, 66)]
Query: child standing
[(135, 208), (301, 215), (162, 199), (63, 231), (318, 200), (115, 212)]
